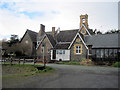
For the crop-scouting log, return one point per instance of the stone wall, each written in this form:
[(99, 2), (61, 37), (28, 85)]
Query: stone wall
[(27, 45), (77, 57), (46, 52)]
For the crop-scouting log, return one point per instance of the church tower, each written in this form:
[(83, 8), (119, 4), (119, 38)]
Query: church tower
[(84, 20)]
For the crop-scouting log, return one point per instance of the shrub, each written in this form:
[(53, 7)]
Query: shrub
[(86, 62), (83, 59), (116, 64)]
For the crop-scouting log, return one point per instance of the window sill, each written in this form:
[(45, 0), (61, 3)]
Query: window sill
[(77, 53)]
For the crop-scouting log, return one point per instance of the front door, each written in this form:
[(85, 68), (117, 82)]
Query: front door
[(54, 54)]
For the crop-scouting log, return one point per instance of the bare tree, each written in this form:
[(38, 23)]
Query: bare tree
[(26, 49), (112, 31)]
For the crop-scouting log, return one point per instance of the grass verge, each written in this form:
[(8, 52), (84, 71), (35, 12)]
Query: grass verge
[(89, 63), (86, 62), (70, 62), (15, 70), (116, 64)]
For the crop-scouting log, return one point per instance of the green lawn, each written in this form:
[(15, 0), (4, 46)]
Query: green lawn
[(26, 70)]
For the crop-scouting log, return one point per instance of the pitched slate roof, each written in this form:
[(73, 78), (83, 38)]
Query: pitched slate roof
[(91, 31), (48, 32), (33, 35), (66, 35), (39, 38), (104, 41), (62, 46), (82, 36), (51, 39)]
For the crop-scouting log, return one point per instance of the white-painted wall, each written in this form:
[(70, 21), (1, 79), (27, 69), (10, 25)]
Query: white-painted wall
[(64, 57)]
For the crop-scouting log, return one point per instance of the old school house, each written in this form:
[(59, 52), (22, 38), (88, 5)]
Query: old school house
[(76, 44)]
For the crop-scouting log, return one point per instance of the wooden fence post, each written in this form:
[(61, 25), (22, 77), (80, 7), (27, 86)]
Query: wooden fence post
[(4, 60), (44, 63), (34, 61), (11, 60), (19, 61), (23, 61)]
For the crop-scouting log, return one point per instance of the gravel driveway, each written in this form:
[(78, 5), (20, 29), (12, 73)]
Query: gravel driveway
[(70, 76)]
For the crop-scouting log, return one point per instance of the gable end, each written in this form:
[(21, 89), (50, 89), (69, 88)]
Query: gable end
[(75, 39)]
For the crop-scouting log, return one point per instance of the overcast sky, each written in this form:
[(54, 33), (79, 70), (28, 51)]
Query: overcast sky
[(18, 15)]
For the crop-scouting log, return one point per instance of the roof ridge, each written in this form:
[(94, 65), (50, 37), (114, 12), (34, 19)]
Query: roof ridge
[(104, 34), (31, 30), (68, 30), (63, 30), (51, 39)]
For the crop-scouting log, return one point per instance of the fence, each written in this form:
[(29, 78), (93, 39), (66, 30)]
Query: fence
[(24, 60)]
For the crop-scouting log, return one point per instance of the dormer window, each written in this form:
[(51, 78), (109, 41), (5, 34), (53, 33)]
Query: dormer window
[(83, 20)]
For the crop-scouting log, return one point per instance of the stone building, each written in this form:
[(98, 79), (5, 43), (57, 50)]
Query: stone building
[(74, 45), (28, 43)]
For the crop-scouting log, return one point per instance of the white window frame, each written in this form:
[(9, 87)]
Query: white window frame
[(60, 52), (78, 49), (63, 51), (57, 51)]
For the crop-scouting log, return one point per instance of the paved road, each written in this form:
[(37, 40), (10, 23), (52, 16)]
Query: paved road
[(72, 76)]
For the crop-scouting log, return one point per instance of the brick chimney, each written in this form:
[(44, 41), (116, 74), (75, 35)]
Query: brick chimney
[(42, 30), (53, 31)]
